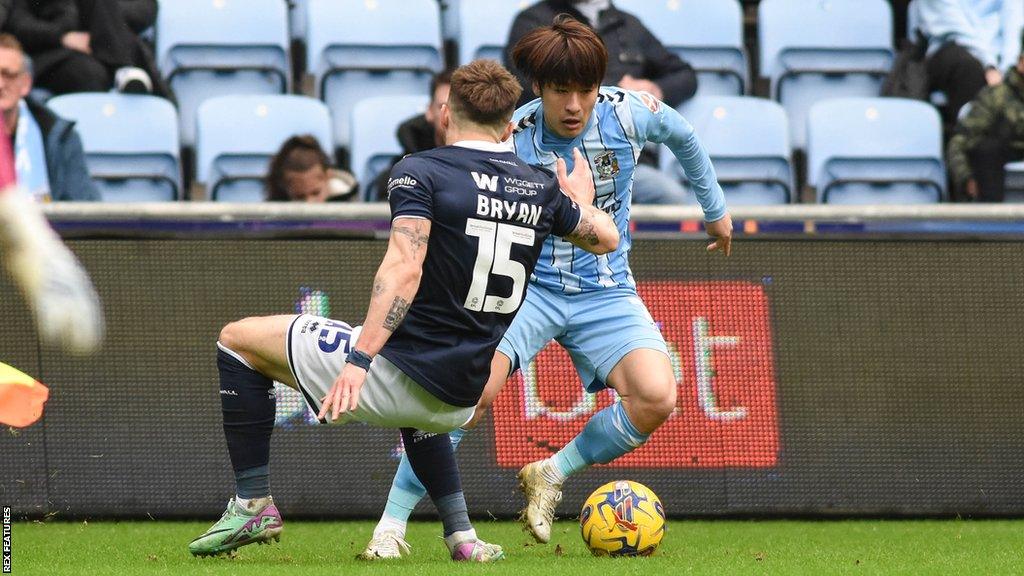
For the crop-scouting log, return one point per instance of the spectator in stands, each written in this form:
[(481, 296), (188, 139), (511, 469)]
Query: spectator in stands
[(49, 159), (989, 136), (301, 172), (421, 132), (88, 45), (637, 60), (970, 45)]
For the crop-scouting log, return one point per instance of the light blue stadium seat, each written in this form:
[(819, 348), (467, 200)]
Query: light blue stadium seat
[(130, 141), (297, 17), (237, 135), (484, 26), (209, 48), (1015, 182), (359, 49), (813, 50), (450, 19), (706, 33), (748, 141), (875, 151), (374, 143)]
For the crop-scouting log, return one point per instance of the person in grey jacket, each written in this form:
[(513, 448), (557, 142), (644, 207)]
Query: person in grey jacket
[(50, 161), (637, 60)]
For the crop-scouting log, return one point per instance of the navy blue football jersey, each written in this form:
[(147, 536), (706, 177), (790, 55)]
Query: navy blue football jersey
[(490, 213)]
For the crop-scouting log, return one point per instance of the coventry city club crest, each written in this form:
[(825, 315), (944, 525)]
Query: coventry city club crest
[(607, 165)]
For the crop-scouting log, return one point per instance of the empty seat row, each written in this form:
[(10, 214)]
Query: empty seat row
[(363, 48), (235, 139), (859, 150), (356, 48)]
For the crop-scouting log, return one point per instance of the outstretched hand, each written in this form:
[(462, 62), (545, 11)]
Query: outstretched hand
[(721, 231)]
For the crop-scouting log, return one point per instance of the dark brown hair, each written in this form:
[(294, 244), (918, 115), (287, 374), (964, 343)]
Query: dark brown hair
[(297, 154), (484, 92), (443, 78), (567, 53)]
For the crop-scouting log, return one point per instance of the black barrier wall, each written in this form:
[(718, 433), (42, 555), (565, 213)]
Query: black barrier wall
[(822, 377)]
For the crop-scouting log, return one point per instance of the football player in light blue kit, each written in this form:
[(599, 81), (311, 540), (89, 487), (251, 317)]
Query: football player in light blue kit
[(587, 303)]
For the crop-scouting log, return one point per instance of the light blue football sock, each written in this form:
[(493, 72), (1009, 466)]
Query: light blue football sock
[(608, 435), (406, 489)]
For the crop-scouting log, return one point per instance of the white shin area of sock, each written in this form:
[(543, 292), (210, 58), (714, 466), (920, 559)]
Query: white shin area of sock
[(390, 524)]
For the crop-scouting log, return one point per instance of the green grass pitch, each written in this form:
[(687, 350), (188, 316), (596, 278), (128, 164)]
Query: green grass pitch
[(690, 547)]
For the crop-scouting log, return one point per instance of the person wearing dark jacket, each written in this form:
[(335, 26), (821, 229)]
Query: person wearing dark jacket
[(5, 11), (989, 136), (637, 60), (50, 161), (80, 45)]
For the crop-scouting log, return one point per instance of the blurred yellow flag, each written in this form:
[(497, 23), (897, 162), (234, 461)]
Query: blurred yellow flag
[(21, 397)]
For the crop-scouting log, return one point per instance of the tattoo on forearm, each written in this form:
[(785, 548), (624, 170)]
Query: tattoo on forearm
[(586, 231), (415, 235), (378, 287), (396, 314)]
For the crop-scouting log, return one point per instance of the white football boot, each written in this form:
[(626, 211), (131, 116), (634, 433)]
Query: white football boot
[(542, 496), (385, 546)]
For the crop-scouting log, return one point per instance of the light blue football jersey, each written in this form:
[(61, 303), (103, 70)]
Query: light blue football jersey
[(622, 122)]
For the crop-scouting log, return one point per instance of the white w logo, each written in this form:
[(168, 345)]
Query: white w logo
[(485, 181)]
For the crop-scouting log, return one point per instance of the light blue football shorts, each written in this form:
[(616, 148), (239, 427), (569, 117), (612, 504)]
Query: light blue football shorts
[(596, 328)]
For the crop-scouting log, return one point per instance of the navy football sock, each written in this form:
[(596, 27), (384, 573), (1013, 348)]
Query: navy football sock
[(248, 403), (433, 461)]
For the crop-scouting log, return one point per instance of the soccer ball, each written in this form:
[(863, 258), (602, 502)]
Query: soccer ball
[(622, 518)]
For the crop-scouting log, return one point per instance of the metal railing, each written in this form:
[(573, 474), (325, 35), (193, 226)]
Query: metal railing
[(273, 211)]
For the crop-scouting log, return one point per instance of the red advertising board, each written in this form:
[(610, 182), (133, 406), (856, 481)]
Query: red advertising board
[(720, 343)]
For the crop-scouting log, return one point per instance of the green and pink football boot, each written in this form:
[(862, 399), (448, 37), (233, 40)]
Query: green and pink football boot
[(239, 527)]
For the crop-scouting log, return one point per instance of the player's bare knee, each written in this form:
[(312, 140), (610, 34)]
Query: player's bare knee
[(232, 336), (660, 401)]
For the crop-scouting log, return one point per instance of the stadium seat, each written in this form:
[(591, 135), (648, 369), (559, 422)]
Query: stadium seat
[(706, 33), (374, 143), (1015, 182), (210, 48), (450, 19), (484, 26), (748, 141), (360, 48), (875, 151), (824, 49), (237, 135), (297, 18), (131, 144)]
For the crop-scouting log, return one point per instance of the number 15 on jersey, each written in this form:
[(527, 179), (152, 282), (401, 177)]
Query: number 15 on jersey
[(494, 257)]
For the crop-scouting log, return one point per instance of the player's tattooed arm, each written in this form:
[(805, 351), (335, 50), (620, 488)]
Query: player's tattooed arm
[(396, 282), (596, 233), (412, 228), (585, 233), (396, 314)]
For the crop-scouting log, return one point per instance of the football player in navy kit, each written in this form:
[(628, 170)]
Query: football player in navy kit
[(468, 223)]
